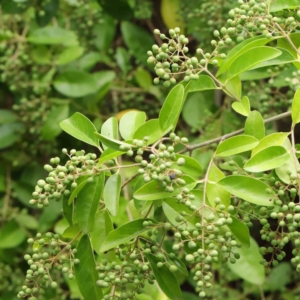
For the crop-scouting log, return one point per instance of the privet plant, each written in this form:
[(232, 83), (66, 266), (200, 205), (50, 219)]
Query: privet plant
[(182, 220)]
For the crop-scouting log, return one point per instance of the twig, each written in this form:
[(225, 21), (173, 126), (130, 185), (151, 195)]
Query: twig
[(226, 136)]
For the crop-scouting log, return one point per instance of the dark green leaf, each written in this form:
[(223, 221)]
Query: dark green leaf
[(50, 9), (11, 235), (111, 194), (165, 278), (9, 134), (81, 128), (75, 84), (87, 202), (241, 231), (118, 9), (124, 234), (85, 272)]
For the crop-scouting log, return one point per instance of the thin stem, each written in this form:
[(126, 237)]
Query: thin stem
[(226, 136)]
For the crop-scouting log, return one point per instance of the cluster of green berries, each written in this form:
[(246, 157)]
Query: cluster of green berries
[(49, 254)]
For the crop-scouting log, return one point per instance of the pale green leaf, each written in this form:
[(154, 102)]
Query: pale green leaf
[(111, 193), (151, 129), (255, 125), (130, 122), (242, 107), (296, 107)]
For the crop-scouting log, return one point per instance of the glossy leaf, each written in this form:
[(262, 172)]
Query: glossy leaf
[(179, 264), (233, 87), (124, 234), (291, 44), (151, 129), (214, 191), (249, 189), (81, 128), (241, 231), (111, 143), (111, 193), (51, 128), (153, 190), (296, 108), (171, 109), (274, 139), (255, 125), (165, 278), (241, 48), (75, 84), (267, 159), (236, 144), (130, 122), (109, 154), (203, 83), (102, 227), (250, 59), (247, 266), (242, 107), (53, 36), (191, 166), (85, 272), (138, 40), (87, 202), (109, 129), (78, 188)]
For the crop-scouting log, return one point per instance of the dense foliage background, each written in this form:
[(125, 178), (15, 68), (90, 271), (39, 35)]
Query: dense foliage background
[(58, 57)]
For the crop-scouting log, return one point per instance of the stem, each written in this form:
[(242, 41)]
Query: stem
[(226, 136)]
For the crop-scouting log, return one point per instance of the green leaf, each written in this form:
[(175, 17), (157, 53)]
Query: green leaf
[(242, 107), (87, 61), (250, 59), (41, 54), (124, 234), (82, 182), (291, 165), (267, 159), (143, 78), (51, 128), (214, 191), (85, 272), (255, 125), (109, 129), (247, 266), (171, 109), (233, 87), (50, 9), (119, 9), (153, 190), (7, 116), (191, 166), (151, 129), (11, 235), (111, 143), (241, 231), (69, 54), (111, 194), (240, 49), (291, 44), (109, 154), (236, 144), (130, 122), (27, 221), (296, 108), (137, 40), (274, 139), (203, 83), (278, 5), (165, 278), (279, 277), (249, 189), (9, 134), (53, 36), (102, 227), (68, 209), (179, 264), (75, 84), (87, 202), (122, 58), (81, 128)]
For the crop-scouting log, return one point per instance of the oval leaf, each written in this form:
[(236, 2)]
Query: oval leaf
[(124, 233), (267, 159), (236, 144), (249, 189), (111, 194), (151, 129), (85, 272), (171, 109), (242, 107), (203, 83), (81, 128), (75, 84), (130, 122), (255, 125)]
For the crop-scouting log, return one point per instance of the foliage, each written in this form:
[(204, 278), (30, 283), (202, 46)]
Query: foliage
[(149, 199)]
